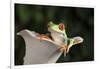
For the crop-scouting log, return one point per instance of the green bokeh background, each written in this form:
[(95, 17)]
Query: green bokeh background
[(78, 21)]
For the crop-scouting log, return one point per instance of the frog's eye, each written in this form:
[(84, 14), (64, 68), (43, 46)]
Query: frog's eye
[(61, 26)]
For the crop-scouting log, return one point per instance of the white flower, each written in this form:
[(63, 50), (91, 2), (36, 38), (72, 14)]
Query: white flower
[(43, 51)]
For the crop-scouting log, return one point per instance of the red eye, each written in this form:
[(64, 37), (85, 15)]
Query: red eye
[(61, 26)]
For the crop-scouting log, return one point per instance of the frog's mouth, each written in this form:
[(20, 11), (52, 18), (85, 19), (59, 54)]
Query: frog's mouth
[(55, 31)]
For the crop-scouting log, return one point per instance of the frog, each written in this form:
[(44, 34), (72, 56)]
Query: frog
[(59, 36)]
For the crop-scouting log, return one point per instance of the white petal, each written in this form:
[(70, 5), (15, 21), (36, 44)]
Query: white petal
[(37, 51)]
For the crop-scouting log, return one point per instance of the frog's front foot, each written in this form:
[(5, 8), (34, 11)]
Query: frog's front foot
[(64, 50), (42, 37)]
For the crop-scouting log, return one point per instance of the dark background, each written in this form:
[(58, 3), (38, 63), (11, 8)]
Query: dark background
[(79, 21)]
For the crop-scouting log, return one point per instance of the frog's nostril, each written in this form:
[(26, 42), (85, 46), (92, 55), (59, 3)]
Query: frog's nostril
[(48, 25)]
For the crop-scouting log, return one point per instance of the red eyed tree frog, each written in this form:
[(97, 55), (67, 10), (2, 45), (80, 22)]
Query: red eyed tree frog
[(58, 33)]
